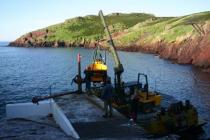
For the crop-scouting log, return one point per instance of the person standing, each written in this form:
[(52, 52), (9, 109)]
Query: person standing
[(134, 105), (107, 94)]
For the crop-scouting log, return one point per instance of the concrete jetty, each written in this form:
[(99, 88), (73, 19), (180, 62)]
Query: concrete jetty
[(85, 114), (75, 116)]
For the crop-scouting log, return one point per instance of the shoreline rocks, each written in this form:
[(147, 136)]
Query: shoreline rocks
[(194, 51)]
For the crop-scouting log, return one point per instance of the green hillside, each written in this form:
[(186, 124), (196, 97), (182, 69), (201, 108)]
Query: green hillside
[(90, 27), (168, 29), (134, 28)]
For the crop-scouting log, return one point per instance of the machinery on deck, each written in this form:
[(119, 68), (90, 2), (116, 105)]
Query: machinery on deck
[(147, 99), (178, 117)]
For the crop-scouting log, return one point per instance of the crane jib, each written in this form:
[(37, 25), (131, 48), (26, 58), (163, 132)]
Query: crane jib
[(118, 66)]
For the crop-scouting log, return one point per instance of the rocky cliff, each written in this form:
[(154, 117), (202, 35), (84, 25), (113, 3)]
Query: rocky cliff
[(185, 39)]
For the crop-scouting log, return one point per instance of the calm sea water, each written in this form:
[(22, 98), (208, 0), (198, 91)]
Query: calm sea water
[(27, 72)]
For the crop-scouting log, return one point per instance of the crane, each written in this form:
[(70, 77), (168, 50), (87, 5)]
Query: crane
[(145, 96), (118, 68)]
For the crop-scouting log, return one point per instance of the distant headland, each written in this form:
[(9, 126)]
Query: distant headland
[(185, 39)]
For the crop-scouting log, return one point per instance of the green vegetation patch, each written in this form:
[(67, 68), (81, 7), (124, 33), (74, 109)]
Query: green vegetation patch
[(168, 28), (136, 26), (90, 27)]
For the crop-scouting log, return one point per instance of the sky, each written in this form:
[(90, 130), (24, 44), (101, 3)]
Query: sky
[(21, 16)]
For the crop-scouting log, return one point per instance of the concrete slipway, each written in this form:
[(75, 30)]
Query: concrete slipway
[(77, 116)]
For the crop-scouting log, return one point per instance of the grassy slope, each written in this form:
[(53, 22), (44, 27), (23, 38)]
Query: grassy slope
[(90, 27), (168, 29), (137, 28)]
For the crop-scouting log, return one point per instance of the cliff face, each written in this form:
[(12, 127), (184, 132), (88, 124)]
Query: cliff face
[(185, 40), (196, 51), (38, 39)]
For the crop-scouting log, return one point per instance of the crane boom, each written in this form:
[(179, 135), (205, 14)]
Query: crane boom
[(118, 69)]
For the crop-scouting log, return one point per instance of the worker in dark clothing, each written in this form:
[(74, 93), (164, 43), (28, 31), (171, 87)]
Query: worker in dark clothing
[(88, 82), (106, 96), (134, 105)]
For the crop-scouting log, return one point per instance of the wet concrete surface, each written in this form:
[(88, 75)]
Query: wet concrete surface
[(85, 113), (83, 108), (31, 129), (112, 128), (78, 109)]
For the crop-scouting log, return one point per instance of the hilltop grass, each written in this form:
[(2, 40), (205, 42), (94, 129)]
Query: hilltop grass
[(169, 29), (136, 27), (90, 27)]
